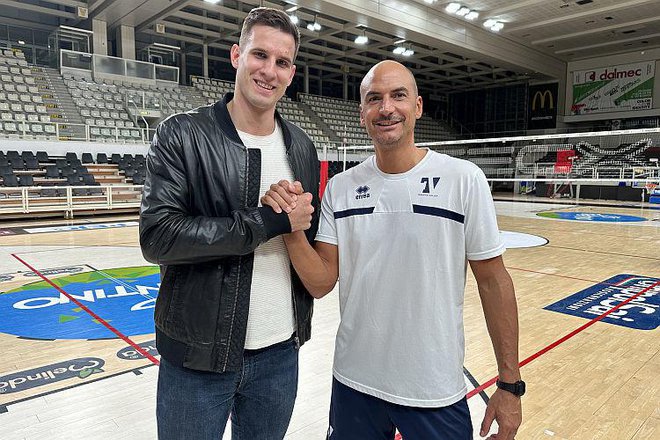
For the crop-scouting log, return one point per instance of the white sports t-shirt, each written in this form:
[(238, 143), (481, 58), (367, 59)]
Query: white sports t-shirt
[(270, 319), (404, 241)]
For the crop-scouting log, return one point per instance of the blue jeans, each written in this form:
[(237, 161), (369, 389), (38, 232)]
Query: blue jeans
[(195, 405)]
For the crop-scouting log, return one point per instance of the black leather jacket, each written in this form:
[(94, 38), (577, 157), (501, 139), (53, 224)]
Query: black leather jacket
[(200, 222)]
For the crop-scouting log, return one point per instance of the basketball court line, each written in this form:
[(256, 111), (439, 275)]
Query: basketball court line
[(603, 252), (90, 312)]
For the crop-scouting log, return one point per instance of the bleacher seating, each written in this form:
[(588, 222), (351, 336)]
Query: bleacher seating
[(22, 109), (343, 117), (213, 90), (30, 169)]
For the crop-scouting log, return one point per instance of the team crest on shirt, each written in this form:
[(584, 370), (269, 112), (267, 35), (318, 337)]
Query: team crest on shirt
[(429, 186), (362, 192)]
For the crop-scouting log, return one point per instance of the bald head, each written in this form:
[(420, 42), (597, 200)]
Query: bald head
[(388, 68)]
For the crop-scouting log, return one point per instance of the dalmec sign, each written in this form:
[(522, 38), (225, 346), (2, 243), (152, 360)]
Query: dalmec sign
[(613, 88)]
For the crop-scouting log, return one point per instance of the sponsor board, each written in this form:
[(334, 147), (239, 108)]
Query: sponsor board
[(124, 297), (642, 313), (592, 217), (84, 227), (623, 87), (37, 377)]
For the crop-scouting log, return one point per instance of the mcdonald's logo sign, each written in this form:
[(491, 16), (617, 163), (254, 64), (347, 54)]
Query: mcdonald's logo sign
[(542, 97), (542, 106)]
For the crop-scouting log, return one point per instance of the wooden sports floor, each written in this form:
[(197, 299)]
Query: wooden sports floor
[(64, 375)]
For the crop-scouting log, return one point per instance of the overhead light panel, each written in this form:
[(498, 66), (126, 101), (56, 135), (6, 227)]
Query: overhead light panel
[(452, 8), (493, 25), (213, 2), (472, 15), (462, 11), (294, 19)]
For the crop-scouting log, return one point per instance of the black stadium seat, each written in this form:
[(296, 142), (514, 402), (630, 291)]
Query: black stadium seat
[(10, 180), (42, 157), (26, 180), (52, 172)]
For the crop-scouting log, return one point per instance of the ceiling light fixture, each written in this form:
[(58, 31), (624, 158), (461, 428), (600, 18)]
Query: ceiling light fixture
[(461, 11), (493, 25), (314, 26), (362, 39), (472, 15), (403, 51), (213, 2), (453, 7), (294, 19)]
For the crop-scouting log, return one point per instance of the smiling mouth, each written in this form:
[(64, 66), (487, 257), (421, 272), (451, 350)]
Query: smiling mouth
[(387, 123), (265, 86)]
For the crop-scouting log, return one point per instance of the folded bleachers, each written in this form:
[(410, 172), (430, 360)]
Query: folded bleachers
[(214, 89), (22, 109)]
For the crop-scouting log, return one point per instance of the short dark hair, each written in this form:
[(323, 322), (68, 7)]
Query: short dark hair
[(273, 18)]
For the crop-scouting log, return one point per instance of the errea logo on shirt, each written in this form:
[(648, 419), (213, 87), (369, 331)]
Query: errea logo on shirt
[(429, 185), (362, 192)]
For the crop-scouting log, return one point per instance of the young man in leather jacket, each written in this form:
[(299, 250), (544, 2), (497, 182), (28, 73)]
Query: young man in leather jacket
[(231, 314)]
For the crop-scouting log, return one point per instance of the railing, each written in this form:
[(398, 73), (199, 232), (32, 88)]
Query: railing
[(68, 199), (90, 133), (549, 170)]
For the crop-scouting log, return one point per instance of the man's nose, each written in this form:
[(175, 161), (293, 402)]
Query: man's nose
[(386, 106)]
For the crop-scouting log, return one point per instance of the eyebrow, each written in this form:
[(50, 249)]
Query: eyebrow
[(259, 49), (399, 89)]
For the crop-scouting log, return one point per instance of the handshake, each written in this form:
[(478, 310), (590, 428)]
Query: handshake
[(288, 197)]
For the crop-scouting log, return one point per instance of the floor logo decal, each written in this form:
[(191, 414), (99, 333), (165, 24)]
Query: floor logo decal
[(642, 313), (591, 217), (124, 297), (37, 377)]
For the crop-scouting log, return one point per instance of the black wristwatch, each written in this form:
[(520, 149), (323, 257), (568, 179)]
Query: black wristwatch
[(517, 389)]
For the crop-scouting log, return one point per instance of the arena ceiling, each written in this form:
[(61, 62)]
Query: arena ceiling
[(450, 53)]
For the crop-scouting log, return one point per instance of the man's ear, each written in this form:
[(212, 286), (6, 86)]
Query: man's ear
[(234, 55)]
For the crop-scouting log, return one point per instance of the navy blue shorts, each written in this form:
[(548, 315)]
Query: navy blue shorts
[(358, 416)]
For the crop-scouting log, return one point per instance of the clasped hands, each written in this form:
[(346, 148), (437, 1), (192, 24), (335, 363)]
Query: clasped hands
[(290, 198)]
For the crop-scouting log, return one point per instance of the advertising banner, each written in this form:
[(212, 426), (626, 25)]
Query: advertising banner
[(625, 87), (542, 106)]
